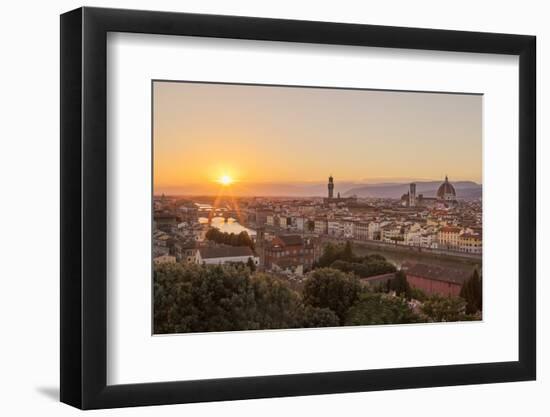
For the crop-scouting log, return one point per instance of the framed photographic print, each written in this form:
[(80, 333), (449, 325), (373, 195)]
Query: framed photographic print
[(257, 208)]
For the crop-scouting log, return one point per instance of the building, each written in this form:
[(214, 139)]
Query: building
[(412, 195), (392, 233), (429, 240), (224, 254), (470, 243), (377, 279), (164, 259), (335, 228), (290, 253), (445, 194), (373, 231), (285, 222), (448, 237), (331, 200), (361, 230), (348, 226), (446, 191), (434, 279), (165, 221), (301, 223), (320, 226), (186, 251), (272, 220)]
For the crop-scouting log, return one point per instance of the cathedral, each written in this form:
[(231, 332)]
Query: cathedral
[(446, 194)]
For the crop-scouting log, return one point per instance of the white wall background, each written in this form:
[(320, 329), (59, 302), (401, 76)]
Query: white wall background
[(29, 209)]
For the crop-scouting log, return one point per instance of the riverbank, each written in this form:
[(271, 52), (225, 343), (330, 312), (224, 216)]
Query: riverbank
[(398, 254)]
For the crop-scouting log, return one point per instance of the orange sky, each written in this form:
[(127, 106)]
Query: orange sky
[(283, 134)]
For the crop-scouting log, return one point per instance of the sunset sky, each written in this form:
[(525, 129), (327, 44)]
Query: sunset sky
[(263, 134)]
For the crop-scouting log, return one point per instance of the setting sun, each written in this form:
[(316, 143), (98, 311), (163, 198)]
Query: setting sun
[(225, 180)]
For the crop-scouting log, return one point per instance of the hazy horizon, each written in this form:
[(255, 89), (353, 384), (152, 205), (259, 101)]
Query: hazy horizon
[(285, 135), (299, 188)]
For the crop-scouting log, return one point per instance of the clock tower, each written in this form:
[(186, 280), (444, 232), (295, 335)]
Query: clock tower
[(330, 187)]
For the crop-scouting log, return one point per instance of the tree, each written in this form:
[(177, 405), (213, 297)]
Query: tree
[(242, 239), (364, 269), (204, 298), (194, 298), (400, 285), (438, 308), (276, 306), (317, 317), (333, 289), (250, 263), (418, 294), (376, 308), (347, 253), (330, 254), (471, 291)]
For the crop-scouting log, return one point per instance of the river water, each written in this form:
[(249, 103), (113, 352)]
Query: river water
[(229, 226)]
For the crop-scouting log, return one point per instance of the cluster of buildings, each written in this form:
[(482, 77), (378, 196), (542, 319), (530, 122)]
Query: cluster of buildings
[(289, 233), (441, 223), (429, 278)]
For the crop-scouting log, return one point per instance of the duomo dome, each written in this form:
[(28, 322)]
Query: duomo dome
[(446, 191)]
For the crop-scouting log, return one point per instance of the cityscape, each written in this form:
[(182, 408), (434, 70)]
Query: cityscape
[(246, 255)]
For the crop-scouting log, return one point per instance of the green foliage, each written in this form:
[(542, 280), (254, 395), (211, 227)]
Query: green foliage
[(317, 317), (400, 285), (341, 257), (241, 239), (192, 298), (276, 306), (330, 254), (310, 225), (438, 308), (471, 291), (418, 294), (333, 289), (364, 269), (376, 308), (251, 265), (206, 298), (347, 253)]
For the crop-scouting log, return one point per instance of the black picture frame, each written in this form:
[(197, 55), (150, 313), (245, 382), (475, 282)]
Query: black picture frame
[(84, 207)]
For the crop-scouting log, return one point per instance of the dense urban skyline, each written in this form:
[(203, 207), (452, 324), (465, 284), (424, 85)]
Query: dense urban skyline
[(264, 135)]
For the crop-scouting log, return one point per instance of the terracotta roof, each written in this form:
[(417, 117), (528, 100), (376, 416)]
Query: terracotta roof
[(291, 240), (471, 235), (438, 273), (378, 278), (450, 229), (225, 251)]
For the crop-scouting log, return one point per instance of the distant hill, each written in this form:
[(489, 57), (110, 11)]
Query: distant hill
[(278, 189), (464, 189)]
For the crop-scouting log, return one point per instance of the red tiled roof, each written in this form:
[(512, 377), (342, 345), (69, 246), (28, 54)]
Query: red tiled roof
[(225, 251), (450, 229), (438, 273)]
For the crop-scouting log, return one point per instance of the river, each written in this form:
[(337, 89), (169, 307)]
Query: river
[(229, 226)]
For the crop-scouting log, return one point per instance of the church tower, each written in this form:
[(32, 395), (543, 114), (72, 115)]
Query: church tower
[(330, 187), (412, 194)]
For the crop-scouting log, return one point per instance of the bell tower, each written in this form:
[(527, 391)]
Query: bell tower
[(330, 187)]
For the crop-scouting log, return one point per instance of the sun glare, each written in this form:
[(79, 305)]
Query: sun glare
[(225, 180)]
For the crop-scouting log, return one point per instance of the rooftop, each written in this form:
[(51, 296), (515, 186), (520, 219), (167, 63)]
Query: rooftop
[(225, 251), (438, 273), (291, 240)]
